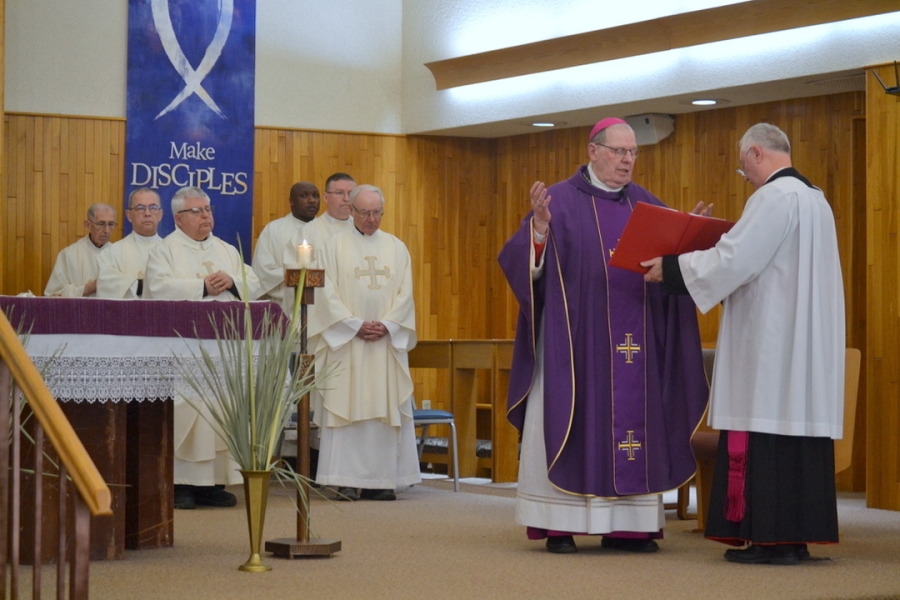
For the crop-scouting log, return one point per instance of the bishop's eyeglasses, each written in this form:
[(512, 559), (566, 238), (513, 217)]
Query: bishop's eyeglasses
[(620, 152)]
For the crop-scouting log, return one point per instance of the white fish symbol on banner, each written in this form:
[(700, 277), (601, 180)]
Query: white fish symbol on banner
[(192, 78)]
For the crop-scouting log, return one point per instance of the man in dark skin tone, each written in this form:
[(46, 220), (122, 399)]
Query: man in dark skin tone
[(305, 201), (274, 249)]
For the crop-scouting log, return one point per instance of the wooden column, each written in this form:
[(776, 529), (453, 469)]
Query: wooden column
[(505, 437)]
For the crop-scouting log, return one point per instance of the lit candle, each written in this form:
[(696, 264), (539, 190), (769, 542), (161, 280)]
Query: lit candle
[(304, 254)]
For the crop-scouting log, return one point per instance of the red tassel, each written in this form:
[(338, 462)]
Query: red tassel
[(735, 506)]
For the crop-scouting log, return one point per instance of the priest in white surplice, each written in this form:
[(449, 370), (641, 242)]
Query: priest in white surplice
[(778, 384), (74, 274), (274, 249), (121, 267), (193, 264), (364, 323)]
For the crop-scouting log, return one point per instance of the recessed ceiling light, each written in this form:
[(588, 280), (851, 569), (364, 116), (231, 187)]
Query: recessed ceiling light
[(704, 102), (543, 124)]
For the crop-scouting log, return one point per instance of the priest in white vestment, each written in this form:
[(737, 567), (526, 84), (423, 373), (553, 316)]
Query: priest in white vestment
[(193, 264), (121, 267), (271, 253), (74, 274), (778, 384), (364, 323)]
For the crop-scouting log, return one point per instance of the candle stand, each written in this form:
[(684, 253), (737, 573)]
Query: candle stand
[(303, 545)]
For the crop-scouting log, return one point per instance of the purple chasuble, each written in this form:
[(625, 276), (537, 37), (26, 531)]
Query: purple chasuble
[(624, 386)]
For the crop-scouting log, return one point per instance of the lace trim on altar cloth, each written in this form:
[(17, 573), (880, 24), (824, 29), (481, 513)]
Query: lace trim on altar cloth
[(115, 378)]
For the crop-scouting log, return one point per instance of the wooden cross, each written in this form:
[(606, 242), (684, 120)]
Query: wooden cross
[(628, 348), (372, 273), (630, 444)]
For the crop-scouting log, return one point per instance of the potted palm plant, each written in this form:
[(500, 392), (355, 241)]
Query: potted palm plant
[(248, 395)]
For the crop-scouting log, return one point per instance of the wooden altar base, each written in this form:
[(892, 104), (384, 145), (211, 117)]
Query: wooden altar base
[(288, 548)]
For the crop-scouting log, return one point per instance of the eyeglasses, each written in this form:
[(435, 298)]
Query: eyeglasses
[(103, 224), (338, 193), (365, 214), (198, 210), (620, 152), (152, 208)]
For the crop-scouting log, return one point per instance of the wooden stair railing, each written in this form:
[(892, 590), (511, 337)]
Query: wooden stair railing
[(20, 380)]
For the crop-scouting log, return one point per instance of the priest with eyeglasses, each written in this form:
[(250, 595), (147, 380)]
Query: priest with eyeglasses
[(122, 266), (193, 264), (364, 321), (74, 273)]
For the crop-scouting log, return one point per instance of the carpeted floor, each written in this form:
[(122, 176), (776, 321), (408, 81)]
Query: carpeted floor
[(434, 543)]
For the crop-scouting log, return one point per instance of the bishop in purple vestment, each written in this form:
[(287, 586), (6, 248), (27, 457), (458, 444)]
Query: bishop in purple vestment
[(613, 364)]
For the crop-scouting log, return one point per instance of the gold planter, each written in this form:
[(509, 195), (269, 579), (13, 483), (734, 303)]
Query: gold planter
[(256, 495)]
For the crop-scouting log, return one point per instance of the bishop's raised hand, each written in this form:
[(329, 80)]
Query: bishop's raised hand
[(540, 207)]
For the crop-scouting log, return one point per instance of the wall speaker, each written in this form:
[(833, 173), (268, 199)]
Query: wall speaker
[(651, 128)]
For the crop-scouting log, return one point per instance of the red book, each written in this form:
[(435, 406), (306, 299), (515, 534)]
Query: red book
[(653, 231)]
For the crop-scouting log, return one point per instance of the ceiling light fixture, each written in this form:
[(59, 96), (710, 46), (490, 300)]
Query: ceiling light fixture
[(543, 124), (704, 102)]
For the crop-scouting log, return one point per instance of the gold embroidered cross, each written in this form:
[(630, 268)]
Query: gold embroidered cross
[(628, 348), (210, 265), (630, 444), (372, 273)]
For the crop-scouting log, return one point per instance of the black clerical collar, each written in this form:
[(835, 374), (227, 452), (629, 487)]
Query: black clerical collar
[(789, 172)]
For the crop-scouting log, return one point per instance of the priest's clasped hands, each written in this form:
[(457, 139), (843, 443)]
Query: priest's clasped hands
[(372, 331), (218, 282), (655, 272)]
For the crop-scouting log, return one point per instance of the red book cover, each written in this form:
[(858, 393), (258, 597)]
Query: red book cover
[(653, 231)]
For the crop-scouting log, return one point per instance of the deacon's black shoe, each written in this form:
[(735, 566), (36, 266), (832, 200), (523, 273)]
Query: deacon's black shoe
[(561, 544), (640, 545), (774, 554)]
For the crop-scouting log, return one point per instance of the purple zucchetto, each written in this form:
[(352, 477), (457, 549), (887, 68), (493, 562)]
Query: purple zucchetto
[(604, 123)]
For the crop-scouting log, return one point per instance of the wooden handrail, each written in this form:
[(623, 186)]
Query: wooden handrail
[(80, 467)]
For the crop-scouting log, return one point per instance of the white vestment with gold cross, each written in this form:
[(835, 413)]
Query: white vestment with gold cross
[(364, 409), (175, 271)]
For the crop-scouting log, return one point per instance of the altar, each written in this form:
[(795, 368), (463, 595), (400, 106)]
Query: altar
[(113, 366)]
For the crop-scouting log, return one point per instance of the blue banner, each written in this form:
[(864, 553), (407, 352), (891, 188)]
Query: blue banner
[(191, 72)]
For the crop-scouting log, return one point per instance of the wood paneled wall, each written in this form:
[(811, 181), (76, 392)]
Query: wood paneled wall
[(55, 168), (453, 201), (698, 162), (882, 359)]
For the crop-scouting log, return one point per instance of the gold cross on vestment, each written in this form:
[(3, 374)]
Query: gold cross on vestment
[(630, 444), (628, 348), (372, 273), (210, 265)]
